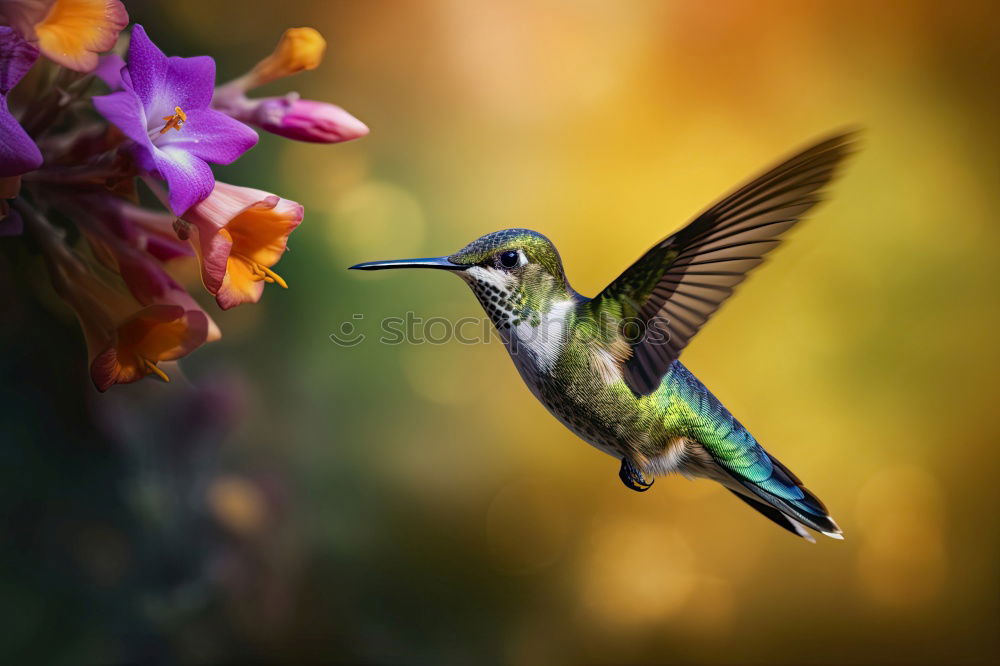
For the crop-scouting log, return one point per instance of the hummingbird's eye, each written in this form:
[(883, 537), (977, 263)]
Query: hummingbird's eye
[(510, 258)]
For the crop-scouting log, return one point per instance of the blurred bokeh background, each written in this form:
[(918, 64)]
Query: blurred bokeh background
[(296, 500)]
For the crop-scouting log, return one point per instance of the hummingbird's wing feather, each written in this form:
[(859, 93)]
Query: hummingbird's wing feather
[(679, 283)]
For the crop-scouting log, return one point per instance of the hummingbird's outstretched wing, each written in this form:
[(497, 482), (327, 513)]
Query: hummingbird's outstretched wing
[(675, 287)]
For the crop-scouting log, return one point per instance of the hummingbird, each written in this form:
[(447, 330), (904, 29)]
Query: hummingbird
[(607, 367)]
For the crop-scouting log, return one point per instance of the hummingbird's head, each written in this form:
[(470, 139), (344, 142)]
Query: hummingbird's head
[(515, 273)]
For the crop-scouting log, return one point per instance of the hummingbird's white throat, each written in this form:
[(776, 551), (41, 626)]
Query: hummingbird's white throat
[(534, 339), (495, 290), (541, 344)]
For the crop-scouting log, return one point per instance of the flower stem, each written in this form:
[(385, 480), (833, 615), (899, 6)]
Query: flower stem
[(50, 241)]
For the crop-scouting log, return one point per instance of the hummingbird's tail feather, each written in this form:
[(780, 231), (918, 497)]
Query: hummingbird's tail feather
[(783, 494), (721, 449), (776, 516)]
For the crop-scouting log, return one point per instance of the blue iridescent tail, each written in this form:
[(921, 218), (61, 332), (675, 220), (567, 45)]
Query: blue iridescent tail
[(783, 493), (752, 473)]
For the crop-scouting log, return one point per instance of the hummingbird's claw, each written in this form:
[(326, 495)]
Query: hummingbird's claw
[(632, 477)]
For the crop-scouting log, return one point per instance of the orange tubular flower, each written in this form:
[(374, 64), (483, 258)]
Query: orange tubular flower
[(146, 280), (153, 334), (242, 233), (70, 32), (125, 341)]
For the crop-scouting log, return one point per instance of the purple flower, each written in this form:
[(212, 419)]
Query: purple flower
[(109, 70), (164, 108), (18, 153)]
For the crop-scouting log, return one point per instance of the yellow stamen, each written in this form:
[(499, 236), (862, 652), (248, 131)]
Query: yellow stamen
[(176, 121), (274, 277), (153, 368), (261, 272)]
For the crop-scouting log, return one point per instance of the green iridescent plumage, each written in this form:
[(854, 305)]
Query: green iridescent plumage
[(608, 367)]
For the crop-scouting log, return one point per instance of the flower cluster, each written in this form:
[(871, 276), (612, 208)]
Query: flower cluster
[(88, 140)]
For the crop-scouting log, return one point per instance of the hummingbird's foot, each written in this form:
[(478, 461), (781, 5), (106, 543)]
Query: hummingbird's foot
[(632, 477)]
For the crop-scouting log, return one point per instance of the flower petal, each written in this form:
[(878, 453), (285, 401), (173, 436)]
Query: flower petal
[(190, 82), (166, 248), (307, 120), (213, 250), (147, 67), (16, 58), (189, 178), (239, 286), (186, 301), (149, 230), (18, 153), (165, 331), (22, 16), (123, 109), (261, 232), (212, 136), (162, 332), (163, 83), (109, 70), (299, 49), (145, 279), (259, 236), (155, 327), (75, 31), (106, 371), (197, 333), (242, 232)]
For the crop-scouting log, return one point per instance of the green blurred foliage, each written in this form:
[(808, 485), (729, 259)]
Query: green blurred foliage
[(413, 503)]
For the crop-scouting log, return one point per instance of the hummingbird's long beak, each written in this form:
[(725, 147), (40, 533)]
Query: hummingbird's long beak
[(431, 262)]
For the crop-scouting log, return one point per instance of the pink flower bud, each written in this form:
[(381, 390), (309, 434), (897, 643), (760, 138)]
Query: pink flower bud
[(305, 120)]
